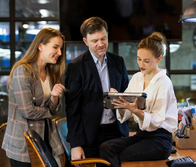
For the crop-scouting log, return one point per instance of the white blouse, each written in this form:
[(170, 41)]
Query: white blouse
[(161, 105)]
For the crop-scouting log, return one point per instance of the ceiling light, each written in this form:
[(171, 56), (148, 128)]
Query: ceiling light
[(189, 14), (44, 13), (25, 26)]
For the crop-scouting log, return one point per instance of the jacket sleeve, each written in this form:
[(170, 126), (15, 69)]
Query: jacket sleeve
[(21, 88), (125, 79), (73, 100)]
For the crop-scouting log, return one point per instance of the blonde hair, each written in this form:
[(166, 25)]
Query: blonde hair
[(55, 71), (155, 42)]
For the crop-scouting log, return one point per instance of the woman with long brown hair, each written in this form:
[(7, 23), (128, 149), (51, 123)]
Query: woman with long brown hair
[(35, 84)]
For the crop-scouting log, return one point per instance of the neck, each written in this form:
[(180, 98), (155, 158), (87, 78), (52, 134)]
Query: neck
[(41, 65), (152, 74)]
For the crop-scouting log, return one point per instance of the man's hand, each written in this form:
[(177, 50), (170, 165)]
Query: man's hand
[(77, 153)]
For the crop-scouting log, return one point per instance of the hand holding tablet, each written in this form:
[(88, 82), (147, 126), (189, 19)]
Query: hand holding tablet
[(110, 96)]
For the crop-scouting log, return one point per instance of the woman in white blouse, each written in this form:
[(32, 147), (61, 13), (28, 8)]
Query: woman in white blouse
[(153, 140)]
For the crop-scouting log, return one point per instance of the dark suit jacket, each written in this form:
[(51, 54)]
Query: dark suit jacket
[(84, 99)]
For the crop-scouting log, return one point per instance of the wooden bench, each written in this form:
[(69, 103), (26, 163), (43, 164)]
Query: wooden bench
[(161, 163)]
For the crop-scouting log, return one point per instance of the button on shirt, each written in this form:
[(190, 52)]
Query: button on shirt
[(107, 116)]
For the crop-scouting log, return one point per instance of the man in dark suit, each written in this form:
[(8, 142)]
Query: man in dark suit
[(86, 78)]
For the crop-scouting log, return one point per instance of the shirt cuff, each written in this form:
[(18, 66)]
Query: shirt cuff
[(125, 117), (146, 122)]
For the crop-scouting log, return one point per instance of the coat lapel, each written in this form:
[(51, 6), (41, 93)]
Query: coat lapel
[(90, 64), (111, 71), (38, 94)]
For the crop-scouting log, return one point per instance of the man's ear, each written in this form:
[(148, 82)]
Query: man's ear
[(85, 41)]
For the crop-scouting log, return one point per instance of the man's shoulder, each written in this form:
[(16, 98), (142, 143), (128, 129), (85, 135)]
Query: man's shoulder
[(114, 56)]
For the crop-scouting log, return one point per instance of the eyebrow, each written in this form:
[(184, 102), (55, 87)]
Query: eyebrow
[(140, 58), (58, 45), (98, 39)]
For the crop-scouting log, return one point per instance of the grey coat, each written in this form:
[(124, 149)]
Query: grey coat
[(24, 112)]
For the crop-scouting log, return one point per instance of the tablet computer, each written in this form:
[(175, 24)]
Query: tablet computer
[(129, 96)]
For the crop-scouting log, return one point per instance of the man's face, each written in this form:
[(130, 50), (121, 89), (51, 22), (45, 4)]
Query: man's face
[(97, 42)]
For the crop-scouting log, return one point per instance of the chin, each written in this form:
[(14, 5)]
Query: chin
[(143, 72)]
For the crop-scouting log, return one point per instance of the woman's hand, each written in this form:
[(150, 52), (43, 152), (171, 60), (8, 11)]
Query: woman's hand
[(57, 90), (122, 103)]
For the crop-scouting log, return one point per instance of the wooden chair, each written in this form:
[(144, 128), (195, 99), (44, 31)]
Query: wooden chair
[(4, 160), (61, 125), (40, 155)]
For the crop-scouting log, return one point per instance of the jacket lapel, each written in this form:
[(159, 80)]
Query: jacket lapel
[(38, 94), (90, 64), (111, 71)]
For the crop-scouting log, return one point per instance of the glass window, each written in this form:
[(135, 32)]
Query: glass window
[(4, 8), (184, 56), (129, 52), (184, 87), (25, 33), (38, 8), (4, 46), (73, 50)]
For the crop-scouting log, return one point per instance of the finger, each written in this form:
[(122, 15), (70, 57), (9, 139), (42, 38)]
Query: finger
[(83, 156), (113, 90), (122, 99), (135, 100), (118, 101), (59, 88)]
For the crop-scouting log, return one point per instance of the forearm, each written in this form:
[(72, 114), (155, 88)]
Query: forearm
[(139, 114), (54, 100)]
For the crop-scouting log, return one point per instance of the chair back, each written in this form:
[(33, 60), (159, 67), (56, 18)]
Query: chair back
[(4, 160), (40, 155), (61, 125)]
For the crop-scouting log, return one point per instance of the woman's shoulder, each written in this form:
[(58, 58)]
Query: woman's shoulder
[(22, 70), (165, 82), (137, 75), (19, 70)]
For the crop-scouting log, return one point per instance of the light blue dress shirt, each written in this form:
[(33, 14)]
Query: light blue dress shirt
[(108, 115)]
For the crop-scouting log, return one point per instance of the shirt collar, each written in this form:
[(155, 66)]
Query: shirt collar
[(96, 60), (155, 78)]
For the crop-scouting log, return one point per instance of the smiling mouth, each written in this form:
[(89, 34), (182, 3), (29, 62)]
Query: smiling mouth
[(56, 57)]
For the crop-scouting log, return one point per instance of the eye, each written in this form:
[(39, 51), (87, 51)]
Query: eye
[(146, 61), (94, 41)]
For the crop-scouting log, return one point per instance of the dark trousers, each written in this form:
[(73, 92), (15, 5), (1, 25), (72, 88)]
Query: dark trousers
[(15, 163), (143, 146), (106, 132)]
